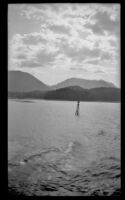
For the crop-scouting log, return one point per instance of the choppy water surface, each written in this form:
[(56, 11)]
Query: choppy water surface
[(53, 152)]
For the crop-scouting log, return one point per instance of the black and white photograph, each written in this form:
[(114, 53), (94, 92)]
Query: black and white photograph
[(64, 99)]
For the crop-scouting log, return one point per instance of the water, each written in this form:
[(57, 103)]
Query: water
[(53, 152)]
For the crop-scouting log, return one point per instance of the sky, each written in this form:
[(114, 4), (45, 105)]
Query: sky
[(54, 42)]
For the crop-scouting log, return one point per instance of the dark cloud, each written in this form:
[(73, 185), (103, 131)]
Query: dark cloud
[(93, 62), (104, 23), (106, 56), (99, 71), (30, 64), (96, 28), (113, 43), (97, 43), (59, 29), (45, 59), (79, 68), (22, 56)]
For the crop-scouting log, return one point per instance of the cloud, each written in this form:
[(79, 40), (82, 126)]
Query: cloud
[(29, 64), (99, 71), (82, 53), (106, 56), (28, 54), (59, 29), (21, 57), (30, 11), (94, 62), (81, 37), (80, 69), (45, 59), (62, 61), (104, 22), (33, 38), (114, 43)]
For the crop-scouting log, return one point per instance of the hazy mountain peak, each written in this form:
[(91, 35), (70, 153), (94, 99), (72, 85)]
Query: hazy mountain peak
[(84, 83)]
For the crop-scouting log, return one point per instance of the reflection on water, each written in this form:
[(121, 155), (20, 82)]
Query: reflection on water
[(52, 152)]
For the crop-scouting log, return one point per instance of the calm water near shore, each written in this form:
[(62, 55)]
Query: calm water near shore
[(53, 152)]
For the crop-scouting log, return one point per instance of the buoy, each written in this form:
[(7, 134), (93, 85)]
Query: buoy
[(77, 108)]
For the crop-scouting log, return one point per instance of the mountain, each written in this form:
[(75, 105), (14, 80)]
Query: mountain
[(86, 84), (74, 93), (105, 94), (19, 81), (24, 85)]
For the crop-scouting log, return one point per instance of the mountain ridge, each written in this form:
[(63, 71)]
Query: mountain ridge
[(94, 94), (19, 81), (73, 93), (84, 83)]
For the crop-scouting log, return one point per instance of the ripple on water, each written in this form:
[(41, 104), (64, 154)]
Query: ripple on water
[(73, 171)]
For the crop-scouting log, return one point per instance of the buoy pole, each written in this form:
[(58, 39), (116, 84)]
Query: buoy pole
[(77, 109)]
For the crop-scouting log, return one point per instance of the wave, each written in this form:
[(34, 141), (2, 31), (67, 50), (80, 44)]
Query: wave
[(57, 172)]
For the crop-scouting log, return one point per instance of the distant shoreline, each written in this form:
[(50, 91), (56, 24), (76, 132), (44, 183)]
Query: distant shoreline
[(29, 99)]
